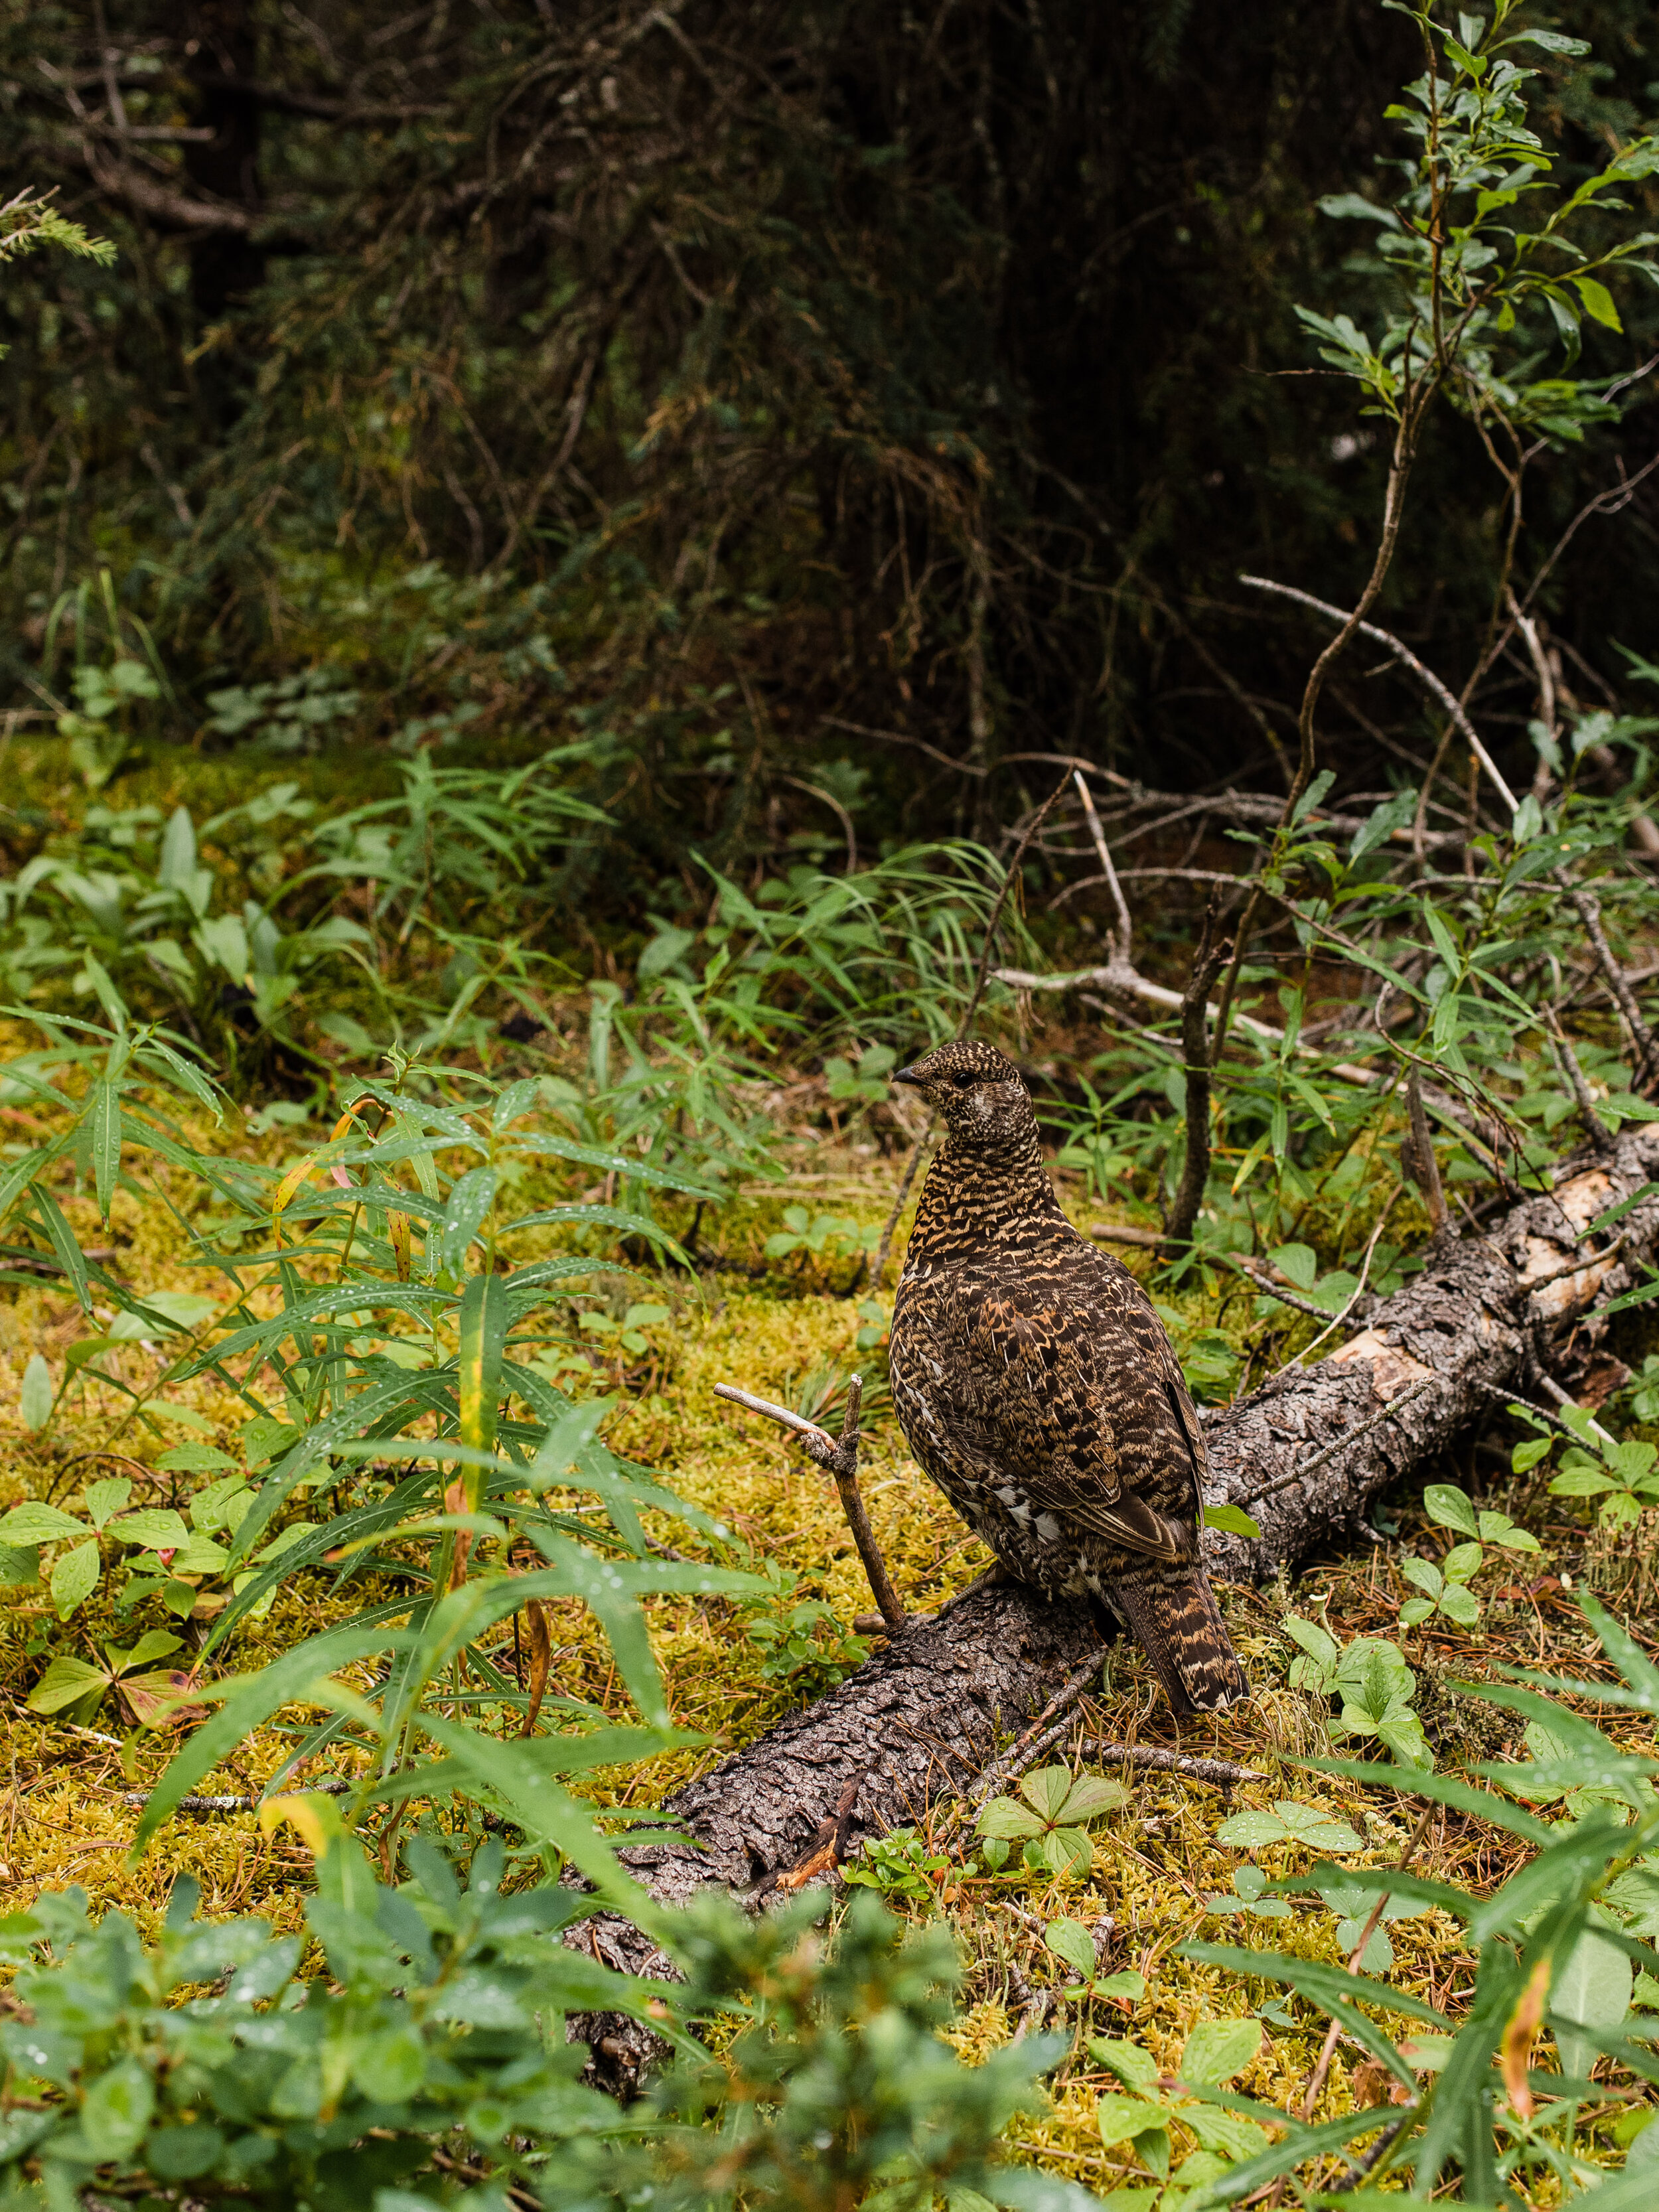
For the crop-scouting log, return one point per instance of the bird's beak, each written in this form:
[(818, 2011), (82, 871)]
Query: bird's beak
[(907, 1075)]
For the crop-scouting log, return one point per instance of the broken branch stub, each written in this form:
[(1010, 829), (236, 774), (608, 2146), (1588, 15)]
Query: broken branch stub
[(839, 1457)]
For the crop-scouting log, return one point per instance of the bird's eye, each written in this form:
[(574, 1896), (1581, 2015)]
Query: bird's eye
[(964, 1082)]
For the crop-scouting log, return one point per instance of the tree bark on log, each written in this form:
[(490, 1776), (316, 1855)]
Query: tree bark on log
[(1305, 1455)]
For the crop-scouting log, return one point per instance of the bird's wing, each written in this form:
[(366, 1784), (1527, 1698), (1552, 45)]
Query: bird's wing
[(1069, 1388)]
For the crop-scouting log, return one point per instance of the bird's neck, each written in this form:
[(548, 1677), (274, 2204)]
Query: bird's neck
[(980, 1197)]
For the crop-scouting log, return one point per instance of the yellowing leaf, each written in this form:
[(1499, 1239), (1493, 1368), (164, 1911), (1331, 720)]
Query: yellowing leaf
[(317, 1819), (1515, 2051), (1598, 301)]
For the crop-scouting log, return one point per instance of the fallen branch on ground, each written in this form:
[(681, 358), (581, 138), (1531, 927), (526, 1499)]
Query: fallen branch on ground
[(920, 1721)]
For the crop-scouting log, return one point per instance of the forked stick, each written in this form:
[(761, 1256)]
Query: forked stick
[(838, 1456)]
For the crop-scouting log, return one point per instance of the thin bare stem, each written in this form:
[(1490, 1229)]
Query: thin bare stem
[(1325, 2057), (1404, 654), (1422, 1166), (1394, 1407), (1121, 942), (1588, 910), (1242, 1266), (839, 1457), (1003, 1769), (1221, 1772), (1567, 1059), (1359, 1287), (1010, 877), (884, 1250)]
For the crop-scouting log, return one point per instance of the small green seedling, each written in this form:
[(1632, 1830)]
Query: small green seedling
[(627, 1334), (824, 1236), (898, 1864), (1372, 1678), (805, 1645), (1352, 1908), (1246, 1896), (1376, 1688), (76, 1690), (1288, 1823), (1052, 1822), (867, 1083), (1073, 1946), (1445, 1587), (1215, 2052), (171, 1556), (1622, 1475)]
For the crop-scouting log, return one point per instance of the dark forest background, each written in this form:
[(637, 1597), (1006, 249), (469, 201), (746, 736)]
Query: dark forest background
[(808, 409)]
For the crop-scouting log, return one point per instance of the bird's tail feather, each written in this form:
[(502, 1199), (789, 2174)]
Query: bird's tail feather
[(1179, 1627)]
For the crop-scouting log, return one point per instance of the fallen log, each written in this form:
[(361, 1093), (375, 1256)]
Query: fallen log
[(1305, 1455)]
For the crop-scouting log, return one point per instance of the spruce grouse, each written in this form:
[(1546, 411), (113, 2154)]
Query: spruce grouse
[(1037, 1387)]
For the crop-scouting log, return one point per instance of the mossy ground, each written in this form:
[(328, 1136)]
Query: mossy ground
[(63, 1818)]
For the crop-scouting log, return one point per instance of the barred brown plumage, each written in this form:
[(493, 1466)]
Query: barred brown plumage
[(1037, 1387)]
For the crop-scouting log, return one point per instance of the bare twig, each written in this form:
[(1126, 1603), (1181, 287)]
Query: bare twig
[(333, 1787), (1359, 1287), (1121, 941), (1395, 1405), (1325, 2057), (838, 1456), (1588, 910), (1011, 876), (1567, 1059), (1420, 1164), (1118, 1232), (1403, 653), (1221, 1772), (1117, 976), (1542, 670), (1025, 1746), (1285, 1297)]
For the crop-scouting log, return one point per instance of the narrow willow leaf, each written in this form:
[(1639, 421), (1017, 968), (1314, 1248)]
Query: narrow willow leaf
[(245, 1702), (106, 1119), (64, 1244), (483, 1334)]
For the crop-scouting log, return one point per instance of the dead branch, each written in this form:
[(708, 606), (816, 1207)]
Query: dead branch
[(1027, 1746), (1285, 1295), (1121, 942), (920, 1721), (1222, 1772), (1567, 1060), (1588, 910), (1403, 653), (839, 1457)]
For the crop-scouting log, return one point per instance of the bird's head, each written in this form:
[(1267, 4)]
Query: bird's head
[(976, 1091)]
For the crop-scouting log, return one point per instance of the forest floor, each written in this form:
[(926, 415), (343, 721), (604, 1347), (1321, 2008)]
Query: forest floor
[(768, 1326)]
